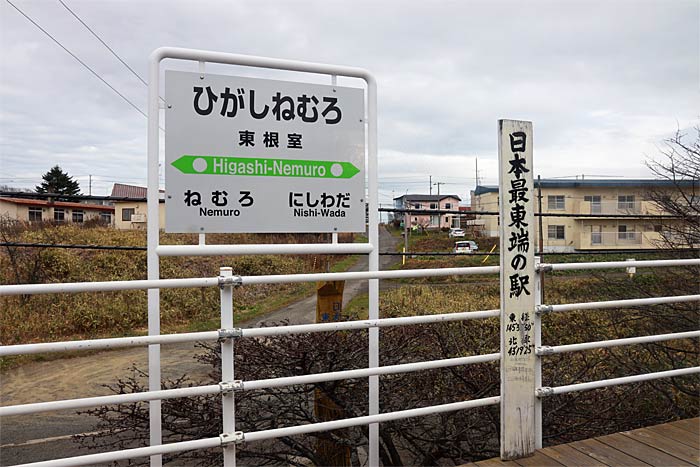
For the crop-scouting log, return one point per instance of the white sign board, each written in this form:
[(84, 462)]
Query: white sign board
[(257, 155), (517, 231)]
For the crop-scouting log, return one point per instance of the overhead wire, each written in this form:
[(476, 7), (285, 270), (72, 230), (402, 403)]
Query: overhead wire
[(75, 15), (85, 65)]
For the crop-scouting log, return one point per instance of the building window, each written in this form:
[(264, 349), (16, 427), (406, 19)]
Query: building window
[(78, 216), (127, 213), (624, 233), (434, 220), (34, 214), (106, 217), (555, 202), (448, 205), (433, 206), (555, 232), (625, 202), (595, 203), (416, 205), (59, 215)]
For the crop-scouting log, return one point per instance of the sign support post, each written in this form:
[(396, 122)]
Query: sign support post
[(518, 289)]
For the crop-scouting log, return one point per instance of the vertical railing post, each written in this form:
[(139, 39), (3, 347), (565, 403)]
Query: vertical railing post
[(152, 260), (537, 323), (227, 371), (373, 235)]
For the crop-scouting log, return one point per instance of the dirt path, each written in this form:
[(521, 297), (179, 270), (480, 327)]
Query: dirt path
[(38, 437)]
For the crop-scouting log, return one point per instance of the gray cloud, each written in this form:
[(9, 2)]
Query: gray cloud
[(602, 81)]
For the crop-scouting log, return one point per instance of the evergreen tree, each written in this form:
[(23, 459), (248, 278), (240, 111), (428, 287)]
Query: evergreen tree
[(57, 181)]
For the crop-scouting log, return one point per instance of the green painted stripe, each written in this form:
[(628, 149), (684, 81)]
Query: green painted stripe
[(263, 167)]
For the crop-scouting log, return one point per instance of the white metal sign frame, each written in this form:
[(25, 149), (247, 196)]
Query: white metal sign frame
[(155, 250)]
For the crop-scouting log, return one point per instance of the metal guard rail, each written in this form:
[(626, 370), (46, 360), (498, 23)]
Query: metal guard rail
[(232, 386)]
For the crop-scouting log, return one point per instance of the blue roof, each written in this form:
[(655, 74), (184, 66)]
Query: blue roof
[(616, 183)]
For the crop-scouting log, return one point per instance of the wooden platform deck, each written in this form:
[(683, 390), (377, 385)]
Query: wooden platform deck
[(668, 445)]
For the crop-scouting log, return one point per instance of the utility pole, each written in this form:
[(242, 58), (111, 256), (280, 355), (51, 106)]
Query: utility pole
[(438, 185), (90, 185), (430, 183), (476, 163)]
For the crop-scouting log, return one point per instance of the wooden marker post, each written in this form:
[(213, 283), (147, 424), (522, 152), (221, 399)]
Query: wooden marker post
[(517, 231), (329, 307)]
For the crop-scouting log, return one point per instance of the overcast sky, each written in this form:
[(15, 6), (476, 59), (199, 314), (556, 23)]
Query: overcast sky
[(604, 82)]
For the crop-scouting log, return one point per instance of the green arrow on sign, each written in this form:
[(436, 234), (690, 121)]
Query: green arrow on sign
[(263, 167)]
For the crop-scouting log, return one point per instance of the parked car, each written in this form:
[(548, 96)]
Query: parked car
[(454, 233), (466, 246)]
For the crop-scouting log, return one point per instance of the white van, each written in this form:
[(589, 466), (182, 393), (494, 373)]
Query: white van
[(465, 246)]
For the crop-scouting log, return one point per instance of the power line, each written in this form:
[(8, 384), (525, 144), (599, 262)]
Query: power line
[(103, 43), (77, 59), (107, 46)]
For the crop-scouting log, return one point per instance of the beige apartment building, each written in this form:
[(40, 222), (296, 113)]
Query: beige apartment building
[(589, 208)]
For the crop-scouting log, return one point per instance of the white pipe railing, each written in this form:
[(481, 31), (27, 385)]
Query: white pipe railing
[(366, 324), (620, 264), (365, 420), (109, 343), (618, 303), (266, 249), (125, 454), (228, 387), (107, 286), (558, 349), (549, 391), (349, 276), (116, 342), (115, 286), (206, 443), (72, 404), (365, 372)]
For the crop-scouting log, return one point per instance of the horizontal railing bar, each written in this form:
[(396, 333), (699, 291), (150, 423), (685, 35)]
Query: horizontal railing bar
[(110, 343), (557, 349), (72, 404), (104, 457), (206, 443), (365, 372), (342, 276), (112, 286), (619, 264), (548, 391), (266, 249), (367, 419), (618, 303), (366, 324), (108, 286), (116, 342)]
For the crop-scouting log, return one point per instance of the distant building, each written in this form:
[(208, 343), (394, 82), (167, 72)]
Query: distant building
[(38, 210), (131, 211), (429, 220), (580, 202)]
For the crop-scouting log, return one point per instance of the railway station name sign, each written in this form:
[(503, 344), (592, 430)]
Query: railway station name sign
[(257, 155)]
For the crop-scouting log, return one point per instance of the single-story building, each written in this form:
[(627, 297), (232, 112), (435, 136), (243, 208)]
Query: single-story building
[(38, 210), (131, 209)]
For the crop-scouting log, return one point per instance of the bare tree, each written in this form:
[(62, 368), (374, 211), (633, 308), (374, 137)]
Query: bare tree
[(678, 162)]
